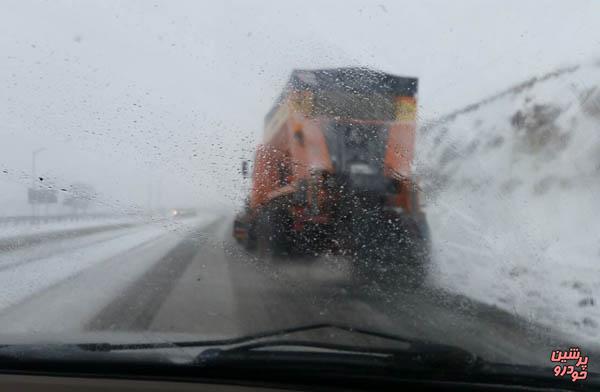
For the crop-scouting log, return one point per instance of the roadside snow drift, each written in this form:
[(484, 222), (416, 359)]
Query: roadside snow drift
[(512, 189)]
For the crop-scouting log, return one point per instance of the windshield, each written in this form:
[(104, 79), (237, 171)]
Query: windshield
[(192, 171)]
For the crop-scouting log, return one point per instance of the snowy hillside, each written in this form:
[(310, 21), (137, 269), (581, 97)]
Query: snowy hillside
[(513, 187)]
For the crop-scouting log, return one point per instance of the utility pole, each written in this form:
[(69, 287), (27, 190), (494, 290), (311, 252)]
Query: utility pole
[(149, 190), (34, 154), (159, 195)]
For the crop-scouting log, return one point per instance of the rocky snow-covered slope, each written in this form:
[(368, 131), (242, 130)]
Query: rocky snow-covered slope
[(513, 197)]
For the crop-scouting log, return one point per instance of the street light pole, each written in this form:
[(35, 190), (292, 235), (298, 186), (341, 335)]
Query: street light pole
[(33, 177), (33, 155)]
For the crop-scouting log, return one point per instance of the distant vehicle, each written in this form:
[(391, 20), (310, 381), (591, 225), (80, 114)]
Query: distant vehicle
[(80, 197), (334, 170), (183, 212)]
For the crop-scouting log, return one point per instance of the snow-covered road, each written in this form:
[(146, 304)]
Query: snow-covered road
[(189, 278), (78, 274)]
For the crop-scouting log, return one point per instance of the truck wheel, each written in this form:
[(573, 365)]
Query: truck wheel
[(249, 243), (410, 242), (309, 243), (271, 233), (392, 254)]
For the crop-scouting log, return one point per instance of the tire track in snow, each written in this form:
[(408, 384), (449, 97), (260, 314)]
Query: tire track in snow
[(19, 283), (9, 260)]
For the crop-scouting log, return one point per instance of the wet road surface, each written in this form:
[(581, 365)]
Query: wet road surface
[(195, 280)]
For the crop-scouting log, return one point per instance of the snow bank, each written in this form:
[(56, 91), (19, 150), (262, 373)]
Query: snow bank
[(28, 272), (10, 230), (513, 198)]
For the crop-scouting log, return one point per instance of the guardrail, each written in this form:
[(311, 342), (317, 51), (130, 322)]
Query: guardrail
[(17, 220), (46, 219)]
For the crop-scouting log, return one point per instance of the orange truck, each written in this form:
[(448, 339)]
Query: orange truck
[(333, 171)]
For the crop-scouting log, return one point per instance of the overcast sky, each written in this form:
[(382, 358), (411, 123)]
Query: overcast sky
[(133, 96)]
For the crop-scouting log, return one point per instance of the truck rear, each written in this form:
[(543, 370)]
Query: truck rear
[(333, 172)]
